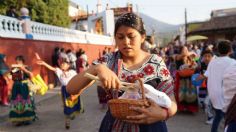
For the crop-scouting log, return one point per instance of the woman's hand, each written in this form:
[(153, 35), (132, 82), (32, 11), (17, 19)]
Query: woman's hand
[(148, 115), (107, 77)]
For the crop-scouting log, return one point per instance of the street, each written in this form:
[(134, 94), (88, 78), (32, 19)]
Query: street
[(51, 118)]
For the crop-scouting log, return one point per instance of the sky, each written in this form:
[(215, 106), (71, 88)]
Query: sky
[(169, 11)]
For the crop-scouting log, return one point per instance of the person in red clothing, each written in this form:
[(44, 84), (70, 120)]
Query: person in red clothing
[(3, 80)]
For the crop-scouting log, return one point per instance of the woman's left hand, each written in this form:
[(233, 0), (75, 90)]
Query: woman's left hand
[(148, 115)]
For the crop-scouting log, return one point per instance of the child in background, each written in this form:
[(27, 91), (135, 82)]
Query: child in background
[(72, 104), (22, 108), (204, 100)]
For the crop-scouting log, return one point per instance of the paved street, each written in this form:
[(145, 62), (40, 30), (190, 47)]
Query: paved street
[(51, 118)]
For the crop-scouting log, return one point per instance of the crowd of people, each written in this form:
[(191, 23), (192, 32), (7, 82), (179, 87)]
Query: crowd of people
[(169, 69)]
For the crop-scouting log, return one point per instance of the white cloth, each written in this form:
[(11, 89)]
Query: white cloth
[(229, 85), (72, 57), (214, 72), (65, 77)]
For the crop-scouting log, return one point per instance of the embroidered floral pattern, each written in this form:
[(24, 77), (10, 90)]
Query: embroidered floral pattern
[(149, 70), (165, 72), (140, 75)]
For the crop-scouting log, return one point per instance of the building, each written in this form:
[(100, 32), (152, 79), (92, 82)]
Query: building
[(101, 21), (222, 25)]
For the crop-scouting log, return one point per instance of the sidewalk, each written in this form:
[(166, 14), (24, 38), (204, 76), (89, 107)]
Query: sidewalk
[(4, 111)]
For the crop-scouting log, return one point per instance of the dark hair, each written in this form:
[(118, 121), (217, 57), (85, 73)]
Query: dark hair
[(207, 52), (68, 51), (224, 47), (20, 58), (231, 111), (62, 49), (79, 52), (130, 20), (181, 48), (56, 49)]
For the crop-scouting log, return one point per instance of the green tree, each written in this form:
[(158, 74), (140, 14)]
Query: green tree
[(52, 12)]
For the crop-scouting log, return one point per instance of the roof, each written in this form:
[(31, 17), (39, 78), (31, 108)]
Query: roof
[(117, 12), (217, 23)]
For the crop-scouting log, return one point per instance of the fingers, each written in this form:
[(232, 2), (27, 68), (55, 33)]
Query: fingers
[(139, 109), (137, 117), (112, 82)]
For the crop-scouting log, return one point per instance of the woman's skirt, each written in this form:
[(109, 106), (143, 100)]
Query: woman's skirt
[(22, 107), (72, 103), (110, 124), (186, 94)]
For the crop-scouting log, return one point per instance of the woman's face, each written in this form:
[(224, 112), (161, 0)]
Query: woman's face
[(184, 51), (129, 41), (19, 62)]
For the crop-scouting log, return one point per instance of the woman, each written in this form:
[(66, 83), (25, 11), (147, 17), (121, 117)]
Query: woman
[(3, 80), (186, 93), (22, 109), (129, 37)]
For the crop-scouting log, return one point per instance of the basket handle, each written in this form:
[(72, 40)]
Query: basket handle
[(141, 88)]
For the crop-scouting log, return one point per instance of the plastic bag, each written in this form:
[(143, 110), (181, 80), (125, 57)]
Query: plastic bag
[(40, 82)]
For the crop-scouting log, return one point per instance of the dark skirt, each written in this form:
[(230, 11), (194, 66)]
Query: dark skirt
[(72, 105), (108, 121), (22, 103), (103, 96)]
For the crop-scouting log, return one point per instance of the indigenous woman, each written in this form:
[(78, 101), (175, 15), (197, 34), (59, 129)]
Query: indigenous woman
[(129, 37), (22, 109), (186, 93)]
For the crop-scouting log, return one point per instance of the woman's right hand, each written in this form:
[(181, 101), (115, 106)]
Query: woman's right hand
[(107, 77)]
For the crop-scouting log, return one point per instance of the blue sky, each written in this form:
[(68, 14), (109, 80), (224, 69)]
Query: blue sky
[(169, 11)]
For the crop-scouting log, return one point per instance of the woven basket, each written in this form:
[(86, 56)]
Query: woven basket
[(120, 108)]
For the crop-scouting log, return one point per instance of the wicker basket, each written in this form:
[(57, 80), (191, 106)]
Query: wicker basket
[(120, 107)]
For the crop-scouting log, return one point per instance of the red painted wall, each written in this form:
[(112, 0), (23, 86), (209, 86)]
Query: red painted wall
[(27, 48)]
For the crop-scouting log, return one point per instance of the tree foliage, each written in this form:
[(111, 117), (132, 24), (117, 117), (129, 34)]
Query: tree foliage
[(53, 12)]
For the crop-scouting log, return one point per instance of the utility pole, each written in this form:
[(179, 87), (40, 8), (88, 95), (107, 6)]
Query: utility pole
[(186, 25)]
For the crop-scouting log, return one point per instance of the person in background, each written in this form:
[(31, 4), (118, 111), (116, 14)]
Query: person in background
[(203, 97), (22, 107), (26, 22), (72, 104), (12, 12), (214, 74), (55, 57), (3, 80), (72, 57), (186, 93)]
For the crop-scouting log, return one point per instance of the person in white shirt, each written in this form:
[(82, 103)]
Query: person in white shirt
[(214, 73), (229, 85)]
